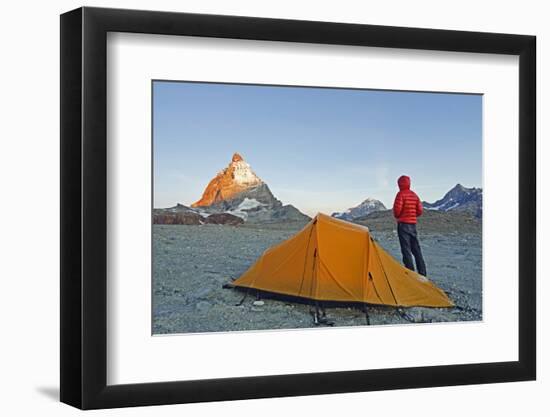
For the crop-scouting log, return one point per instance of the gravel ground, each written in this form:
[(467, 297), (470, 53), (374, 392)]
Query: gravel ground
[(191, 263)]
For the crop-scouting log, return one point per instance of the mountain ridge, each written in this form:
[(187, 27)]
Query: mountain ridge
[(459, 198)]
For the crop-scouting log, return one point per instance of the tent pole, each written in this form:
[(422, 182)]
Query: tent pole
[(305, 261), (316, 311), (401, 313)]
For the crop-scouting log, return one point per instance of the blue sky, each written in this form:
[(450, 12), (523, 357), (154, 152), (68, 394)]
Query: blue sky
[(322, 150)]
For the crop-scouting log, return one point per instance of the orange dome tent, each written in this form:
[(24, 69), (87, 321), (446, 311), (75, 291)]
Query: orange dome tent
[(334, 260)]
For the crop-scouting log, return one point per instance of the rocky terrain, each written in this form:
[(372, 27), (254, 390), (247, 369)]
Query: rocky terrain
[(370, 205), (431, 221), (173, 216), (191, 263), (181, 214)]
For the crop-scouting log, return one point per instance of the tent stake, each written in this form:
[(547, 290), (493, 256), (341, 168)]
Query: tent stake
[(366, 311), (404, 315), (320, 315), (244, 298)]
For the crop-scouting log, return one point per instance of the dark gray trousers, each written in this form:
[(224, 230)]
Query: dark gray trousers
[(410, 247)]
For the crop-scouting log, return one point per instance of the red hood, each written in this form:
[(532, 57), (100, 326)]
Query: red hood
[(404, 183)]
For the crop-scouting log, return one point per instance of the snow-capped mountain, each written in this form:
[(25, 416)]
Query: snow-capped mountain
[(459, 198), (368, 206), (235, 178), (238, 191)]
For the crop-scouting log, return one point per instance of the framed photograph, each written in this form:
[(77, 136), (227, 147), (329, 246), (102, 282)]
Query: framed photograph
[(257, 207)]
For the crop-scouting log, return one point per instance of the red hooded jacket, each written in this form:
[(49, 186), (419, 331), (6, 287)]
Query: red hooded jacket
[(407, 206)]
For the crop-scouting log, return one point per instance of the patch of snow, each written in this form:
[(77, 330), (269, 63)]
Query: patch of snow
[(243, 174), (436, 208), (440, 206), (245, 205), (242, 214), (248, 204), (452, 207), (444, 206)]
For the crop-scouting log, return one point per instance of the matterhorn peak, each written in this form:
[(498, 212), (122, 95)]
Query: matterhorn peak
[(235, 178)]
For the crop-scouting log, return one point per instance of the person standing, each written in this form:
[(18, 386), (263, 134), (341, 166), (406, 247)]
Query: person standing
[(406, 208)]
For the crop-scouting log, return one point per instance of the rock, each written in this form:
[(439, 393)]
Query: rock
[(416, 314), (256, 310), (258, 303), (165, 217), (203, 293), (289, 213), (223, 218), (203, 305)]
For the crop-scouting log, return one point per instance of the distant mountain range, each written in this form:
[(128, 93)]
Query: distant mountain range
[(458, 198), (237, 193)]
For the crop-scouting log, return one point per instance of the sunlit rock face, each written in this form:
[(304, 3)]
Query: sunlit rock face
[(232, 180), (238, 191)]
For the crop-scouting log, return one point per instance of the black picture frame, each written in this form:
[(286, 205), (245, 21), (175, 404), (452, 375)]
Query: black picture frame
[(84, 207)]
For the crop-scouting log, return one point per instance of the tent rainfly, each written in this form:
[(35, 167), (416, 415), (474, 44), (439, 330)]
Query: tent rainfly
[(334, 260)]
